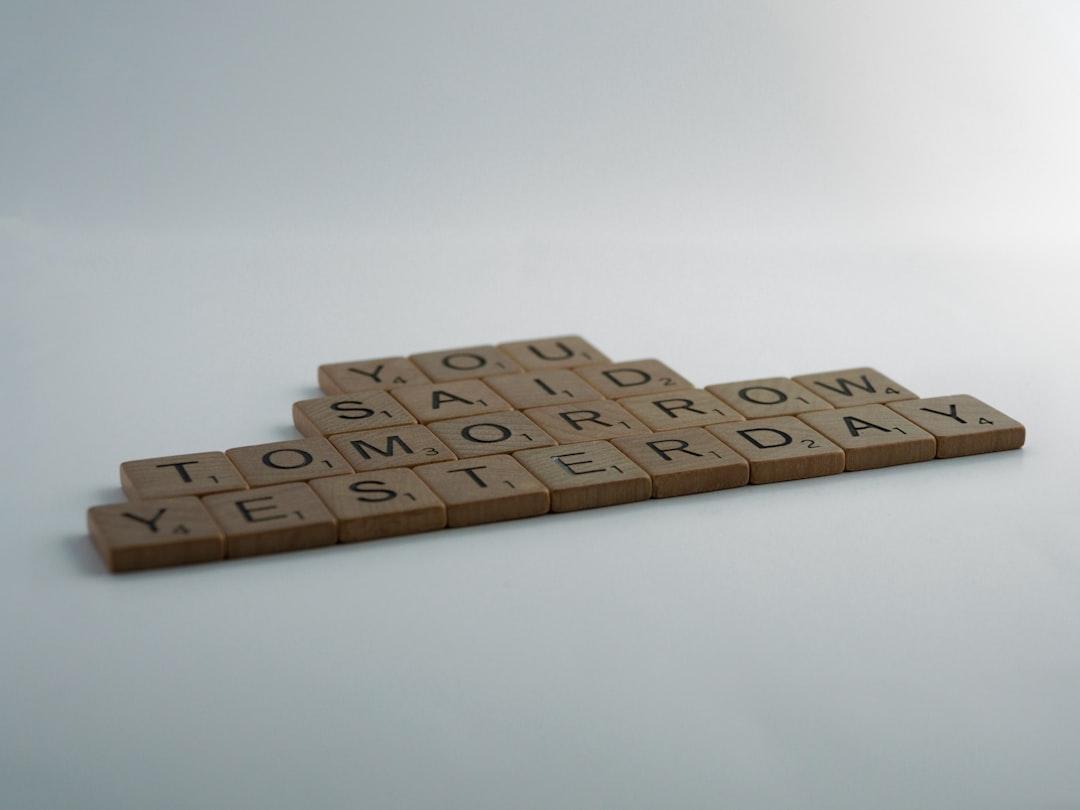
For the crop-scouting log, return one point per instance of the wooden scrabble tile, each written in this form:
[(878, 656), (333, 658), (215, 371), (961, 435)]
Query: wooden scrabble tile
[(962, 425), (618, 380), (286, 517), (154, 534), (283, 462), (430, 403), (873, 436), (381, 374), (854, 386), (491, 433), (464, 364), (586, 421), (485, 490), (388, 503), (587, 475), (771, 396), (345, 413), (686, 462), (407, 446), (781, 449), (690, 408), (174, 476), (534, 389), (568, 351)]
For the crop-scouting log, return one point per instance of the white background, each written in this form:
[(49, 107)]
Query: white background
[(198, 206)]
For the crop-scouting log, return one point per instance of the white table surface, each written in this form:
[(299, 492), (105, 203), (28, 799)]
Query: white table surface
[(194, 219)]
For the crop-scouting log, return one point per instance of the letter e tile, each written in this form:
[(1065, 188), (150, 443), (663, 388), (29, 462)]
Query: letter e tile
[(387, 503), (873, 436), (287, 517), (154, 534), (962, 425), (587, 475), (485, 490)]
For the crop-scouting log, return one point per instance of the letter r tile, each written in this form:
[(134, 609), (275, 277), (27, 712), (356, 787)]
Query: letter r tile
[(175, 476), (854, 386), (873, 436), (154, 534), (586, 421), (287, 517), (683, 409), (471, 363), (686, 462), (569, 351), (485, 490), (587, 475), (381, 374), (962, 425), (284, 462), (618, 380), (780, 449)]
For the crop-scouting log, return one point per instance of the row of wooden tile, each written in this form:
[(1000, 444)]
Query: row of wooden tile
[(335, 507)]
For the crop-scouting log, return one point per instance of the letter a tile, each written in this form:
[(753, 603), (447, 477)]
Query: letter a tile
[(587, 475), (288, 517), (962, 425), (873, 436), (485, 490), (449, 400), (153, 534), (781, 449)]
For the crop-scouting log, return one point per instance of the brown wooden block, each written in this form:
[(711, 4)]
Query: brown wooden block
[(464, 364), (686, 462), (388, 503), (618, 380), (690, 408), (175, 476), (587, 421), (854, 386), (345, 413), (381, 374), (587, 475), (154, 534), (286, 517), (491, 433), (873, 436), (282, 462), (534, 389), (450, 400), (407, 446), (962, 425), (568, 351), (781, 449), (767, 397), (485, 490)]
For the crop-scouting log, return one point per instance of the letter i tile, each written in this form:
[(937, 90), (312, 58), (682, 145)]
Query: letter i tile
[(781, 449)]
